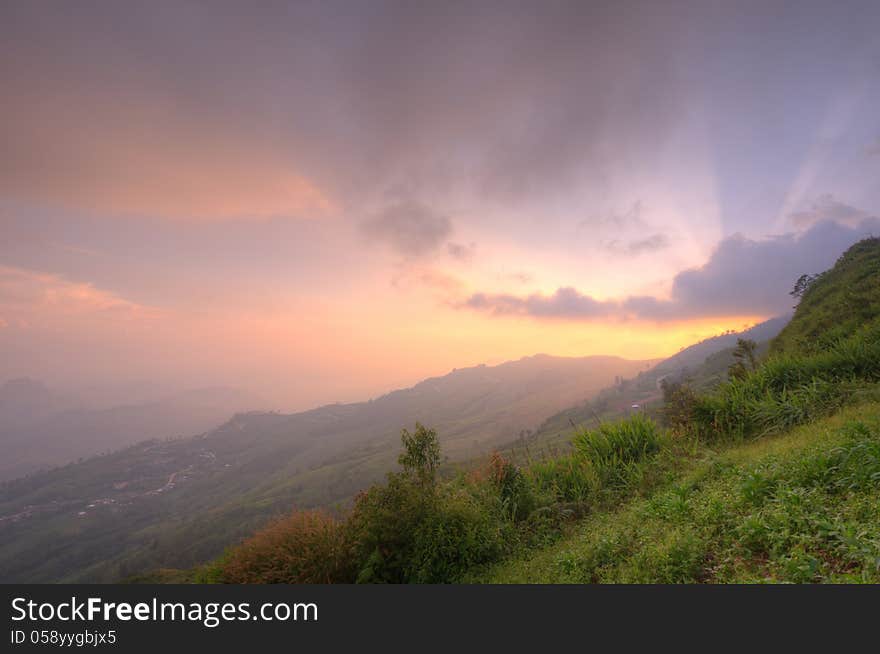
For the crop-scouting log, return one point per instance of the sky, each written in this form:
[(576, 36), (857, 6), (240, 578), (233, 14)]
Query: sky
[(323, 201)]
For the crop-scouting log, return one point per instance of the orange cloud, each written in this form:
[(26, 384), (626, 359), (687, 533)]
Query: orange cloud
[(205, 192), (146, 158), (29, 295)]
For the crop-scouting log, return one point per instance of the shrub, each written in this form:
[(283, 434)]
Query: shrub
[(308, 547), (382, 527), (462, 531), (407, 532), (414, 530)]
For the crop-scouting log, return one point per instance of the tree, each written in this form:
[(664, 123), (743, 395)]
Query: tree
[(802, 284), (745, 358), (421, 453)]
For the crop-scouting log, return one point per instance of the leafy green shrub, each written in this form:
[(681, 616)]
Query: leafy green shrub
[(406, 532), (382, 527), (308, 547), (462, 531), (414, 530)]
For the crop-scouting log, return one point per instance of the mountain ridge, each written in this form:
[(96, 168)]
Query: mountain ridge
[(41, 428)]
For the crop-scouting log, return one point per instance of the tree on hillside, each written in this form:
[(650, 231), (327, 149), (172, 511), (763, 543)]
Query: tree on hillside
[(802, 284), (745, 358), (421, 453)]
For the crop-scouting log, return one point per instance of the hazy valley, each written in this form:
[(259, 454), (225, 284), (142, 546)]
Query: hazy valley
[(177, 502)]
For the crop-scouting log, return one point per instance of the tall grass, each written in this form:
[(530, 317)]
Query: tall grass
[(615, 450), (568, 478), (788, 390), (607, 459)]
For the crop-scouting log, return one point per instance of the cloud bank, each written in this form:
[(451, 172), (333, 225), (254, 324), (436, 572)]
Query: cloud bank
[(743, 277), (826, 207)]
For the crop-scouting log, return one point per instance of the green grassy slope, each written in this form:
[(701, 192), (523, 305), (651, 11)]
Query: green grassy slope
[(802, 507), (839, 303)]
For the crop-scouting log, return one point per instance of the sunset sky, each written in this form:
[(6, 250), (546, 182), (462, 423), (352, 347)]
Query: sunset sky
[(324, 201)]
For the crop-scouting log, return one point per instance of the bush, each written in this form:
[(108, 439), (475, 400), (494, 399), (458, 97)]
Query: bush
[(382, 526), (462, 532), (414, 530), (407, 532), (308, 547)]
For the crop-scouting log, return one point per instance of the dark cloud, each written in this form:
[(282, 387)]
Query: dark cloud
[(564, 303), (742, 277), (828, 208), (518, 99), (353, 97), (873, 150), (410, 228), (459, 252), (652, 243)]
